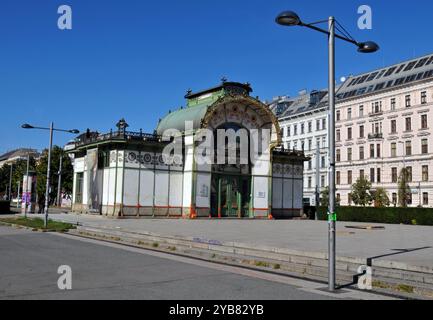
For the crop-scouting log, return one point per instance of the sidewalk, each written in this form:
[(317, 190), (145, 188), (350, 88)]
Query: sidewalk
[(411, 245)]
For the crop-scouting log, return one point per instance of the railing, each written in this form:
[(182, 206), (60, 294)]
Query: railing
[(376, 113), (372, 136), (116, 135)]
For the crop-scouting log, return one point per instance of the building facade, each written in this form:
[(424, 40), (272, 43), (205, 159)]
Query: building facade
[(304, 126), (383, 124), (126, 174)]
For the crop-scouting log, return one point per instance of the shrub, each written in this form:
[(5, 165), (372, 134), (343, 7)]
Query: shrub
[(421, 216)]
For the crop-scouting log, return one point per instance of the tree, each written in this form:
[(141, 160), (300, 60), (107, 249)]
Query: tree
[(380, 198), (19, 169), (324, 198), (41, 173), (403, 188), (361, 195)]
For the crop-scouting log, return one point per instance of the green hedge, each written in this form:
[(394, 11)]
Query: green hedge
[(391, 215), (5, 207)]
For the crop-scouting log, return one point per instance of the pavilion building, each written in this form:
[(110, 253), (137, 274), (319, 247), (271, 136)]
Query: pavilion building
[(126, 174)]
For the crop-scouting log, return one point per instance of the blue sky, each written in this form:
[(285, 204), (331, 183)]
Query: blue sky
[(136, 58)]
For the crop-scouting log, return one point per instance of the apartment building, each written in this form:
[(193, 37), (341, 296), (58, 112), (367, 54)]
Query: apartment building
[(383, 124), (304, 126)]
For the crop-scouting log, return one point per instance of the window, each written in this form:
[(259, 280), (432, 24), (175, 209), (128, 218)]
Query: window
[(338, 135), (310, 144), (349, 113), (425, 198), (317, 125), (423, 97), (349, 154), (310, 126), (338, 198), (295, 129), (409, 198), (361, 131), (338, 155), (349, 133), (377, 107), (323, 162), (338, 178), (424, 124), (394, 198), (361, 111), (393, 150), (394, 175), (288, 131), (288, 145), (79, 187), (371, 150), (409, 174), (323, 124), (310, 165), (302, 128), (407, 101), (361, 153), (379, 176), (408, 148), (372, 174), (310, 184), (392, 104), (349, 177), (349, 199), (324, 142), (295, 145), (424, 146), (408, 124), (338, 115), (425, 173), (322, 181), (361, 173), (378, 151), (393, 126)]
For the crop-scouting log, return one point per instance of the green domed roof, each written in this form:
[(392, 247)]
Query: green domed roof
[(197, 106)]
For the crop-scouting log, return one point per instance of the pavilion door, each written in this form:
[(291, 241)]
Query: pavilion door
[(230, 196)]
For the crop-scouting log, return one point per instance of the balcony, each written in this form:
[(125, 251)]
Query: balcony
[(374, 136), (375, 113)]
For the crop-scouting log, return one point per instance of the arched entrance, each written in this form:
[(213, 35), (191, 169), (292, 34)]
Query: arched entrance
[(242, 190), (231, 183)]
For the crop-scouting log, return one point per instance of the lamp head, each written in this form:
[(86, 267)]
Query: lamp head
[(368, 47), (288, 18), (75, 131), (27, 126)]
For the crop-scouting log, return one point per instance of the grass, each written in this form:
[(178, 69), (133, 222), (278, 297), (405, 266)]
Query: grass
[(261, 264), (38, 223)]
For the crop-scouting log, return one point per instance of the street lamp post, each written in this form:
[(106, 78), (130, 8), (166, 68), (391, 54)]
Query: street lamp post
[(290, 18), (47, 187), (10, 182), (59, 185), (26, 189)]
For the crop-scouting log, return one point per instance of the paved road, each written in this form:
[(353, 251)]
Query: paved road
[(29, 262), (100, 270), (401, 243)]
